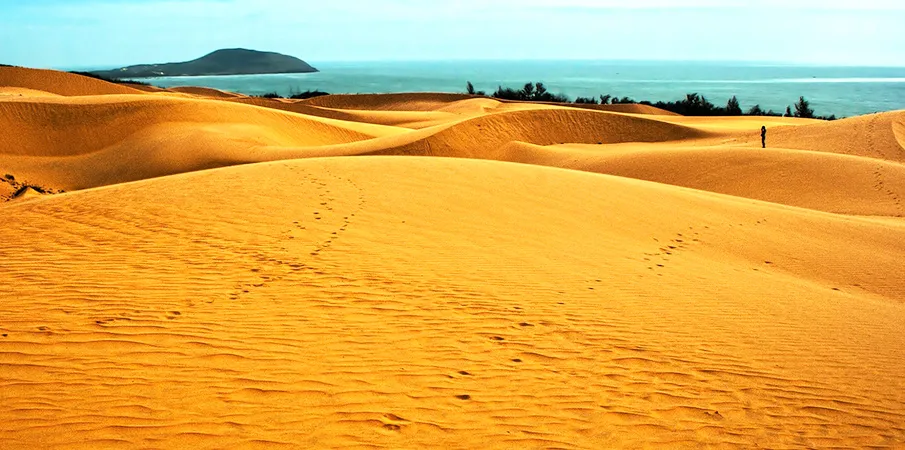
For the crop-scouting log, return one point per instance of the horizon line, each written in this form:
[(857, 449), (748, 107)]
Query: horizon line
[(743, 62)]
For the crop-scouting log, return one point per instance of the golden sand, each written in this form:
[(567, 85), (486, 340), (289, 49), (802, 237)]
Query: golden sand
[(428, 270)]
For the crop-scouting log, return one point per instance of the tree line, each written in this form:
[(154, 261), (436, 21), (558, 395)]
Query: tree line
[(693, 104), (295, 94)]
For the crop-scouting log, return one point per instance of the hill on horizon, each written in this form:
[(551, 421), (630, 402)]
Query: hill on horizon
[(236, 61)]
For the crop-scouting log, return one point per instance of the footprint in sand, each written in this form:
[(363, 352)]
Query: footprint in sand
[(393, 422)]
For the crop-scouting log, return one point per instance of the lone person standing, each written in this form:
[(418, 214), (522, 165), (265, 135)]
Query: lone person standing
[(763, 136)]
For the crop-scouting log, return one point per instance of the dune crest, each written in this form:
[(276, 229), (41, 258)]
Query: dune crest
[(873, 136), (898, 129), (55, 141), (484, 137), (387, 102), (60, 83), (799, 178), (205, 92)]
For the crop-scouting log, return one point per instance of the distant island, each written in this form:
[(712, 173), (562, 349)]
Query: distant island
[(236, 61)]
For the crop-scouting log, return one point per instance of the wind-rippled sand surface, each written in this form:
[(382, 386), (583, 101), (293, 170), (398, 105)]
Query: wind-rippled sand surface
[(422, 270)]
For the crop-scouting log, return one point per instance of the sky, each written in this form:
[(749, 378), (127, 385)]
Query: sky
[(102, 33)]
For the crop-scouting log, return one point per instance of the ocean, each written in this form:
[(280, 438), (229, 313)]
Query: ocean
[(843, 91)]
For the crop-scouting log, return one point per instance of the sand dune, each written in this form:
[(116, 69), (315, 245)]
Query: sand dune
[(448, 102), (424, 113), (10, 91), (25, 194), (411, 302), (746, 129), (146, 87), (815, 180), (387, 102), (205, 92), (405, 119), (873, 136), (55, 142), (60, 83), (154, 136), (485, 137), (628, 108), (439, 270)]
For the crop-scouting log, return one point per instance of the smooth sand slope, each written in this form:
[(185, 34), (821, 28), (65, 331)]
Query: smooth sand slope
[(875, 136), (406, 302), (809, 179), (431, 270), (55, 141), (60, 83)]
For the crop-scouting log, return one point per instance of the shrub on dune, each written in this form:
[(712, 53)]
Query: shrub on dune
[(307, 94), (470, 90), (531, 92), (693, 104)]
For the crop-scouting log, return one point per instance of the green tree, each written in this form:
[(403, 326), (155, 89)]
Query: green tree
[(540, 91), (803, 109), (587, 100), (469, 88), (733, 108)]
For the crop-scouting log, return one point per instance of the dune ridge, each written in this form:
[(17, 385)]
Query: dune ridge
[(628, 108), (55, 142), (405, 119), (205, 92), (422, 101), (432, 270), (898, 129), (60, 83), (815, 180), (480, 137), (873, 136)]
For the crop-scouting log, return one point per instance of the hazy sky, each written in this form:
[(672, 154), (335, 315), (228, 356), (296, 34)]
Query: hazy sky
[(76, 33)]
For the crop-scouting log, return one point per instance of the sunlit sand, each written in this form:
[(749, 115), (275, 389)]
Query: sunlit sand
[(436, 270)]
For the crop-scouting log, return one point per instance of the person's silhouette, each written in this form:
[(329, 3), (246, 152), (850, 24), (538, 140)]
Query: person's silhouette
[(763, 136)]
